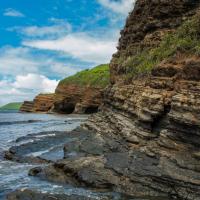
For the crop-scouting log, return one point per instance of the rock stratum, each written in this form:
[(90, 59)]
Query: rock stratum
[(41, 103), (145, 140), (81, 93)]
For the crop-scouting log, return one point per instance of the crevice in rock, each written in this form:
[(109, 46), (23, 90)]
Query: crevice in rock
[(68, 109), (91, 109), (160, 120)]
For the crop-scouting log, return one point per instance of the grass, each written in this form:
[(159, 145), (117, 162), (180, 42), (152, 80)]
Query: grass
[(11, 106), (96, 77), (185, 39)]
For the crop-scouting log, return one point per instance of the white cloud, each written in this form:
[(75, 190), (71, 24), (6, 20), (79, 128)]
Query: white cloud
[(25, 87), (21, 61), (64, 69), (10, 12), (46, 30), (36, 82), (10, 94), (120, 6), (80, 46), (25, 74), (15, 61), (58, 29)]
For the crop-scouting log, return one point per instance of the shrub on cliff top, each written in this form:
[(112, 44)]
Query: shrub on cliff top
[(96, 77), (185, 39)]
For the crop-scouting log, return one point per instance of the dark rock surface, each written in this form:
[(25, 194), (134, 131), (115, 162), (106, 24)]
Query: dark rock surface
[(48, 144), (31, 195), (102, 163)]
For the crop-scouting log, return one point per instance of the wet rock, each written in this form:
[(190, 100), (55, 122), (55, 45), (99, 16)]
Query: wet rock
[(33, 195), (45, 147), (34, 171)]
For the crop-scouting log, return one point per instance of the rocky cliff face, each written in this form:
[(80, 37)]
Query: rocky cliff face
[(81, 93), (27, 106), (67, 99), (71, 98), (145, 27), (41, 103), (145, 140), (156, 115)]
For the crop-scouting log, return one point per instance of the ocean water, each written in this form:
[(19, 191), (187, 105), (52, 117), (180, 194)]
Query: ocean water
[(14, 125)]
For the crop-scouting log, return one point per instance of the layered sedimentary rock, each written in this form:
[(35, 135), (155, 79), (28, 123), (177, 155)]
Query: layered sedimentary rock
[(145, 28), (41, 103), (83, 92), (27, 106), (145, 140), (67, 99), (73, 98)]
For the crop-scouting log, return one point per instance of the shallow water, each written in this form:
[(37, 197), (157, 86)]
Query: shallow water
[(15, 125)]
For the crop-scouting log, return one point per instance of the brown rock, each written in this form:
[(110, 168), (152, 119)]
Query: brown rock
[(72, 98)]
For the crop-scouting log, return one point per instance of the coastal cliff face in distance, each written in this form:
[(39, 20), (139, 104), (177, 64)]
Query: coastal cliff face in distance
[(27, 106), (147, 135), (41, 103), (81, 93)]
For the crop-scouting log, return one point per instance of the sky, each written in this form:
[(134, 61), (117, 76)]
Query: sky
[(43, 41)]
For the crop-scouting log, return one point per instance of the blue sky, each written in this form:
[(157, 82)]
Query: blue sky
[(43, 41)]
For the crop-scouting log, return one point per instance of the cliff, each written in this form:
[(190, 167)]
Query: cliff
[(27, 106), (41, 103), (144, 30), (145, 141), (81, 93), (152, 108)]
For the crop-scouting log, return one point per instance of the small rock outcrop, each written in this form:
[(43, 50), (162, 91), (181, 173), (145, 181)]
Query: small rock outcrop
[(41, 103), (27, 106)]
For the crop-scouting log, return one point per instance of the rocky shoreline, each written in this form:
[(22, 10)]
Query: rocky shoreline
[(87, 161)]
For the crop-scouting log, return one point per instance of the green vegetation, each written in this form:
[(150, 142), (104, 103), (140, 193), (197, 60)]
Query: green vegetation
[(11, 106), (186, 39), (96, 77)]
